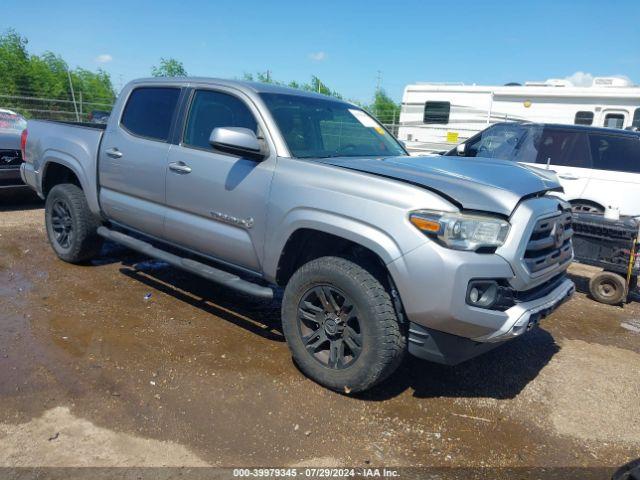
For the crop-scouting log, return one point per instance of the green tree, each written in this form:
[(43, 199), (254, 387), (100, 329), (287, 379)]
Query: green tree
[(384, 108), (169, 67), (14, 62), (38, 85), (315, 85)]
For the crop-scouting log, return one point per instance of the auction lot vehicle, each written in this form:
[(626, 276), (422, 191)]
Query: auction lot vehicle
[(261, 186), (435, 117), (597, 167), (98, 116), (11, 128)]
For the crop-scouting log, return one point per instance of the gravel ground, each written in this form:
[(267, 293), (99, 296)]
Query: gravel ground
[(92, 374)]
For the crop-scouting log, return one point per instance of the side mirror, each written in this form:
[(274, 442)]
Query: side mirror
[(460, 149), (237, 141)]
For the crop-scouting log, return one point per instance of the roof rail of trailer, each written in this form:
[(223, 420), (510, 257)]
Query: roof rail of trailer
[(458, 84)]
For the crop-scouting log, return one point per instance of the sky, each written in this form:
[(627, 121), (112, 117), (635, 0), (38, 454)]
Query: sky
[(350, 45)]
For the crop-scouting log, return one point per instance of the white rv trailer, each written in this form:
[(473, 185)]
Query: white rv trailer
[(436, 117)]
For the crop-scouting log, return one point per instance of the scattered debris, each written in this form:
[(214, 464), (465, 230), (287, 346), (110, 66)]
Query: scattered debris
[(147, 297), (156, 396), (347, 390), (307, 433), (55, 437), (471, 417), (152, 383), (296, 427), (631, 325)]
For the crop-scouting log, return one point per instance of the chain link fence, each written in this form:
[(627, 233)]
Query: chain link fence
[(52, 108)]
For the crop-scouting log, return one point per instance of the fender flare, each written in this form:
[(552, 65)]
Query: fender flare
[(369, 236), (56, 156)]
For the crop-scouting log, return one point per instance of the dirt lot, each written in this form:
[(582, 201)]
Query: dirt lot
[(94, 374)]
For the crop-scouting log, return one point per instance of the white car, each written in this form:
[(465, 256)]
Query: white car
[(597, 167)]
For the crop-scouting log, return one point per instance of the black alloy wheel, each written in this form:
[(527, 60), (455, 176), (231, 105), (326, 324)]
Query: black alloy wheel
[(329, 326)]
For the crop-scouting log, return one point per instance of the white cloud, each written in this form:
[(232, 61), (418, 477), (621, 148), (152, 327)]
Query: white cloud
[(318, 56), (584, 79), (103, 58), (580, 79)]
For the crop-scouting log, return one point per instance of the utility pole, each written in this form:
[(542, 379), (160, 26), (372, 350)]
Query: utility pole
[(378, 81), (73, 96)]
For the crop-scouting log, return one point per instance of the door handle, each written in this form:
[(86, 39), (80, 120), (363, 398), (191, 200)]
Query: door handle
[(113, 152), (569, 177), (180, 167)]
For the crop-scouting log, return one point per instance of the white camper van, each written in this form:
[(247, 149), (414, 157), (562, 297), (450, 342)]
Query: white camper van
[(436, 117)]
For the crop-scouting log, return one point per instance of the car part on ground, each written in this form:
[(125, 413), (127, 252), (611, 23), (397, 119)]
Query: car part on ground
[(612, 246)]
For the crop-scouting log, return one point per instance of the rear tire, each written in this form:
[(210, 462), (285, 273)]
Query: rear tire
[(71, 227), (341, 325), (608, 288)]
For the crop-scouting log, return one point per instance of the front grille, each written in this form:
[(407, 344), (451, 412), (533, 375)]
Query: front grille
[(10, 158), (550, 242)]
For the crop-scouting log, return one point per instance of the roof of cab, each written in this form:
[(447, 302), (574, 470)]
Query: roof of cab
[(256, 87)]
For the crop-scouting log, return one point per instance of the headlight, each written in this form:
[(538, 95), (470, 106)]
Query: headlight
[(460, 231)]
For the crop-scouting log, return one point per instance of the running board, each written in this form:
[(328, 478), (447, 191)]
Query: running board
[(205, 271)]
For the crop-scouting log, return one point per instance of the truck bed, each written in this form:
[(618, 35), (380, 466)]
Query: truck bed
[(72, 144)]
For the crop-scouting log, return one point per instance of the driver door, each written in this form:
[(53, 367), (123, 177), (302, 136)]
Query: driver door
[(216, 202)]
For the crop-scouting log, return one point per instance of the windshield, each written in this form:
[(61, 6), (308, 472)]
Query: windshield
[(12, 121), (314, 127)]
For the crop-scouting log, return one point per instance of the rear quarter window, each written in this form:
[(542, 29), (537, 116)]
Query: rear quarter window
[(149, 112), (617, 153)]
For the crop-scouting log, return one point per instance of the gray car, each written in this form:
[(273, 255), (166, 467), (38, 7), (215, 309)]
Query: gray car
[(261, 187), (11, 128)]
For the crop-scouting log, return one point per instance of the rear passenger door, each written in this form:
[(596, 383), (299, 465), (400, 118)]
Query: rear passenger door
[(564, 151), (615, 180), (216, 201), (132, 159)]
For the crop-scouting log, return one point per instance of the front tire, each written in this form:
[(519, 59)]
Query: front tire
[(341, 325), (71, 227)]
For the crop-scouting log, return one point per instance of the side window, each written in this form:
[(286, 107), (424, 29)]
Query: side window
[(211, 110), (578, 153), (436, 112), (584, 118), (617, 153), (554, 146), (636, 118), (149, 111), (614, 120)]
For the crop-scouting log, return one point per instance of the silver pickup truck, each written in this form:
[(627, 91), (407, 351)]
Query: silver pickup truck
[(259, 187)]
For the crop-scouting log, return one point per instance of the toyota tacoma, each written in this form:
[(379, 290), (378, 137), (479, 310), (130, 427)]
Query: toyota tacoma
[(258, 187)]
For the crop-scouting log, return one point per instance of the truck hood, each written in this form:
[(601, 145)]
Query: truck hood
[(10, 139), (484, 184)]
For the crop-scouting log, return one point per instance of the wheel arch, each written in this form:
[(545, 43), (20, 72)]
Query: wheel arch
[(58, 167), (309, 234), (55, 173), (584, 201)]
